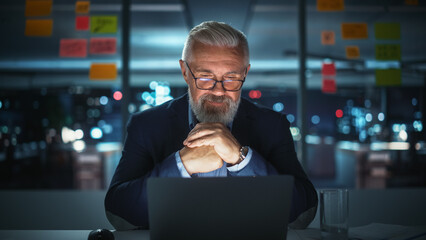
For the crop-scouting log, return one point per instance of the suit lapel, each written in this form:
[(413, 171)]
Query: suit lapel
[(178, 128), (242, 124)]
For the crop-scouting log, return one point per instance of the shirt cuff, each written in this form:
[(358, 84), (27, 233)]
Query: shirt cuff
[(181, 167), (242, 164)]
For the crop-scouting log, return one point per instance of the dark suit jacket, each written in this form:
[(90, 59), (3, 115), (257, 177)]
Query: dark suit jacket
[(154, 136)]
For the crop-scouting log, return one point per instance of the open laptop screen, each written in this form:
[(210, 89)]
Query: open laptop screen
[(219, 208)]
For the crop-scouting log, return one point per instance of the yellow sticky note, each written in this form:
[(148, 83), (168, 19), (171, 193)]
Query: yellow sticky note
[(103, 24), (388, 31), (38, 27), (103, 71), (388, 52), (82, 7), (38, 8), (354, 31), (330, 5), (327, 38), (388, 77), (352, 52)]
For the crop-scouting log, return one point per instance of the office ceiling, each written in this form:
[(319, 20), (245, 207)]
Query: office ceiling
[(159, 28)]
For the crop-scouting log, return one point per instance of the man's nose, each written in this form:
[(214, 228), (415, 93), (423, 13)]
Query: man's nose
[(218, 89)]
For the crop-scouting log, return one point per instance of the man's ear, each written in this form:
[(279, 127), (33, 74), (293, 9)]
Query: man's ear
[(183, 70)]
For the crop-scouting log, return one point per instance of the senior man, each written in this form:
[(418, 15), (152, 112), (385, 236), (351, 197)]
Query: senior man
[(210, 131)]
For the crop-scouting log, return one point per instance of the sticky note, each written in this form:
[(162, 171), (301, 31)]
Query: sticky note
[(329, 86), (391, 31), (328, 69), (103, 45), (388, 52), (352, 52), (82, 7), (38, 8), (330, 5), (103, 71), (82, 23), (388, 77), (103, 24), (73, 48), (327, 38), (354, 31), (412, 2), (38, 27)]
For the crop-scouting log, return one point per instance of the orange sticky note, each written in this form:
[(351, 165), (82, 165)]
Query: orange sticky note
[(103, 45), (73, 48), (103, 71), (354, 31), (352, 52), (330, 5), (327, 38), (38, 27), (82, 7), (412, 2), (38, 8)]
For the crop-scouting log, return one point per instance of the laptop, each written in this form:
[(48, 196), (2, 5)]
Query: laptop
[(219, 208)]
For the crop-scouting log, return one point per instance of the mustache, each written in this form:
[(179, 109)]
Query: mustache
[(214, 98)]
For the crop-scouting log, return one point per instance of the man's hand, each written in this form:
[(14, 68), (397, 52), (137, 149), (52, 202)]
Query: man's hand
[(218, 136), (200, 159)]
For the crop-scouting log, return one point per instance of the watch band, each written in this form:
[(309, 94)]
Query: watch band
[(243, 153)]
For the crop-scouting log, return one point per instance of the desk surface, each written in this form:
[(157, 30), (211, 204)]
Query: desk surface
[(82, 234), (372, 231)]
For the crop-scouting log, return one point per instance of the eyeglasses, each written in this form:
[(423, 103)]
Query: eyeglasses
[(209, 83)]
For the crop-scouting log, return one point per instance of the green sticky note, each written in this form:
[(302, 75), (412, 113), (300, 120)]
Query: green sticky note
[(388, 77), (103, 24), (388, 52), (391, 31)]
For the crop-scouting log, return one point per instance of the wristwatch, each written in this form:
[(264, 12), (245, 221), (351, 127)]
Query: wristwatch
[(243, 153)]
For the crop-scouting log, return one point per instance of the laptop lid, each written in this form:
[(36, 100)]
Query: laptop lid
[(219, 208)]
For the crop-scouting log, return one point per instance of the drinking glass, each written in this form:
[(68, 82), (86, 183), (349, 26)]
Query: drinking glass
[(334, 214)]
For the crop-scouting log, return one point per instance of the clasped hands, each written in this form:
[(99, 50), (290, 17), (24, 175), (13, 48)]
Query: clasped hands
[(207, 147)]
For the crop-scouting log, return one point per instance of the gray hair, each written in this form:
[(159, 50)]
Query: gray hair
[(216, 34)]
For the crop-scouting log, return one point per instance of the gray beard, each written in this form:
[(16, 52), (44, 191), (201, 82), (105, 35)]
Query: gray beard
[(206, 113)]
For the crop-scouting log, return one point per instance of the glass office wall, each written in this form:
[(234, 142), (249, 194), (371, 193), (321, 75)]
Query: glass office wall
[(366, 118), (60, 115), (60, 123)]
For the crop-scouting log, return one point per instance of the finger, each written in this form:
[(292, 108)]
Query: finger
[(207, 140), (209, 125), (195, 136), (200, 132), (197, 133), (215, 135)]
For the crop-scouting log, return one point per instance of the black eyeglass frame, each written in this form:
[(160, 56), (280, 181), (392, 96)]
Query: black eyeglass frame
[(216, 81)]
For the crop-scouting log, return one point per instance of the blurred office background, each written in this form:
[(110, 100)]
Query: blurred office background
[(62, 118)]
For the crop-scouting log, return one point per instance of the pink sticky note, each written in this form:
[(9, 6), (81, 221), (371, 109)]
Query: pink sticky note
[(103, 45), (328, 69), (73, 48), (329, 86), (82, 23)]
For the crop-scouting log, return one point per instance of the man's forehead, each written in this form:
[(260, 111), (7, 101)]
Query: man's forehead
[(211, 69), (200, 48)]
